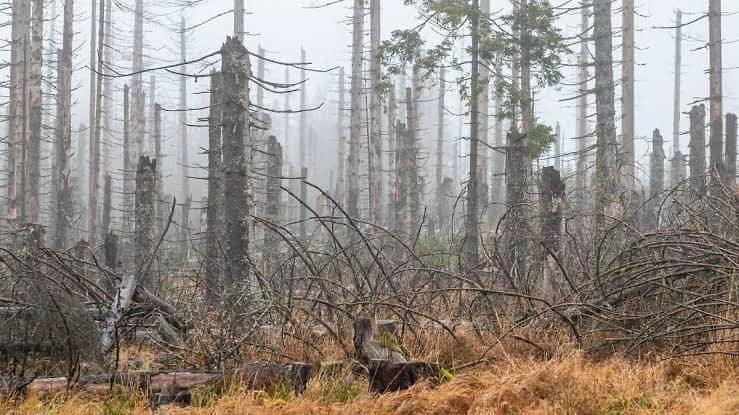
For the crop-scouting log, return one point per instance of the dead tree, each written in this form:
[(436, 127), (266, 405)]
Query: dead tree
[(63, 131), (97, 105), (184, 152), (137, 104), (274, 182), (159, 156), (411, 163), (144, 240), (497, 160), (129, 179), (235, 71), (515, 236), (627, 94), (215, 189), (471, 227), (239, 19), (677, 167), (402, 169), (34, 144), (441, 202), (302, 232), (582, 106), (375, 160), (483, 125), (606, 143), (551, 205), (340, 193), (392, 144), (656, 178), (715, 69), (107, 206), (302, 120), (731, 150), (698, 149), (356, 110)]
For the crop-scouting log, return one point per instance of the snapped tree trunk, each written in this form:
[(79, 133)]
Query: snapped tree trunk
[(656, 178), (235, 71), (551, 204), (698, 149), (274, 182), (515, 229), (145, 213)]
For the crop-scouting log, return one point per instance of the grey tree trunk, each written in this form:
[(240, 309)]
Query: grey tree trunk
[(48, 101), (63, 130), (498, 161), (107, 206), (235, 70), (441, 205), (557, 148), (303, 137), (606, 189), (341, 146), (375, 115), (137, 105), (302, 227), (715, 69), (356, 110), (731, 150), (33, 168), (108, 86), (213, 264), (527, 112), (698, 149), (92, 122), (239, 19), (144, 240), (184, 150), (516, 226), (582, 107), (274, 182), (627, 94), (159, 156), (483, 108), (471, 227), (392, 145), (551, 205), (656, 178), (411, 163), (402, 171), (95, 142), (677, 167), (129, 179)]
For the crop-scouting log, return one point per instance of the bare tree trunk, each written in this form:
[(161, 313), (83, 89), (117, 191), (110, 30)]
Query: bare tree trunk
[(356, 110), (302, 232), (552, 203), (516, 225), (144, 241), (274, 182), (498, 161), (235, 71), (341, 146), (108, 87), (49, 99), (392, 144), (107, 206), (411, 173), (715, 69), (527, 111), (656, 178), (582, 107), (441, 208), (63, 131), (677, 168), (214, 235), (184, 150), (606, 189), (557, 151), (128, 173), (159, 156), (302, 125), (375, 115), (402, 157), (698, 149), (239, 19), (731, 150), (95, 142), (34, 146), (483, 107), (627, 94), (471, 228)]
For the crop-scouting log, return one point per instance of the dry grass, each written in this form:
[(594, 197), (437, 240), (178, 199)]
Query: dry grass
[(569, 384)]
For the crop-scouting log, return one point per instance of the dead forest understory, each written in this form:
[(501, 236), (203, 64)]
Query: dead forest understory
[(521, 288)]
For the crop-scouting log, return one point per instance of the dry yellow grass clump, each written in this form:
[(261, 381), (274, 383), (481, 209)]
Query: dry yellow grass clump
[(569, 384)]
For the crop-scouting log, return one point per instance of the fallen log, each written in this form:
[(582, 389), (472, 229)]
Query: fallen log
[(268, 376), (387, 376), (366, 346)]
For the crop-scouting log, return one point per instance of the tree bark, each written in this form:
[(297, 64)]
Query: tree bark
[(107, 206), (392, 148), (677, 168), (128, 174), (356, 109), (213, 264), (341, 146), (516, 227), (470, 252), (137, 105), (96, 135), (184, 143), (627, 94), (239, 19), (582, 107), (145, 191), (441, 205), (274, 182), (715, 69), (375, 115), (551, 202), (235, 70), (731, 150), (34, 145), (698, 149), (656, 178), (483, 107)]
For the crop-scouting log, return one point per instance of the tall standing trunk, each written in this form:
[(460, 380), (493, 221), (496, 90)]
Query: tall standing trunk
[(144, 240), (128, 173), (95, 142), (606, 189), (239, 19), (731, 150), (235, 71), (108, 88), (341, 145), (677, 167), (411, 162), (582, 107), (516, 225), (527, 104), (392, 144), (274, 182), (356, 110), (92, 121), (49, 145), (441, 205), (557, 148), (303, 123), (107, 207), (715, 141), (470, 254), (402, 170), (656, 178), (34, 146), (302, 227), (698, 149), (184, 143), (627, 94), (483, 105), (498, 160), (137, 104), (63, 130), (160, 205), (215, 189), (375, 115)]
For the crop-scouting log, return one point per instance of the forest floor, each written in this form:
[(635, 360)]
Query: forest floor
[(568, 384)]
